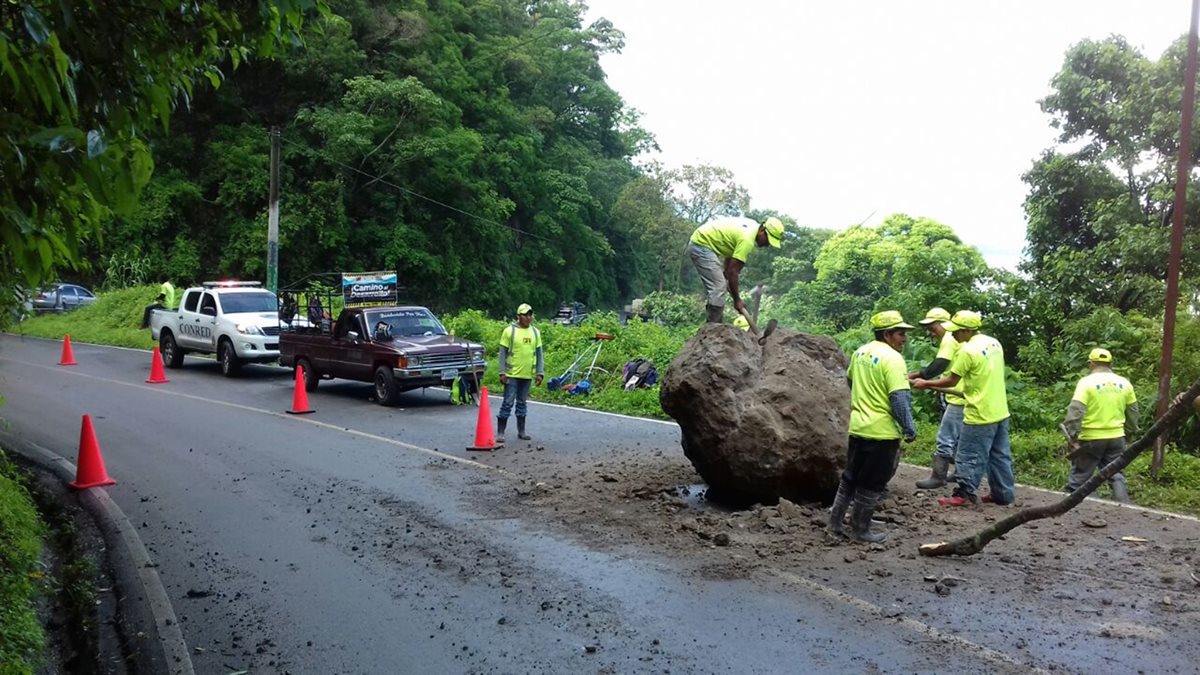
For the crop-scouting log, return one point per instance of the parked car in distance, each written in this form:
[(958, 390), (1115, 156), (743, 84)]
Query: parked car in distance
[(570, 314), (61, 297)]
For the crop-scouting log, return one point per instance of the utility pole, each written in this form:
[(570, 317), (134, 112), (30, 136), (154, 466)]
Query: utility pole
[(273, 217), (1182, 172)]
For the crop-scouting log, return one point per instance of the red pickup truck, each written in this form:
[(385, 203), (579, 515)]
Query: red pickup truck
[(396, 348)]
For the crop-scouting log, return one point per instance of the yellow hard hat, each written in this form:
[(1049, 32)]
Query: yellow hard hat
[(774, 228), (964, 319), (1100, 355), (891, 319), (935, 315)]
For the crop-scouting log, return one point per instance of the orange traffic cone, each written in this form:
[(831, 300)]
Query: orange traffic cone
[(68, 355), (485, 436), (90, 470), (157, 376), (300, 396)]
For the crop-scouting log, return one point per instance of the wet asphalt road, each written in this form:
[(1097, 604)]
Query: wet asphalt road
[(351, 540)]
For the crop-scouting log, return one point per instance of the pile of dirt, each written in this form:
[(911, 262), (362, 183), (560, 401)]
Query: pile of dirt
[(761, 422)]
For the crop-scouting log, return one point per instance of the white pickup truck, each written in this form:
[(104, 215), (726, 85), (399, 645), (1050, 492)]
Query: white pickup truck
[(236, 320)]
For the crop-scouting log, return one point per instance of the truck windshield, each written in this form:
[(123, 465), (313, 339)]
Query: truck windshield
[(240, 303), (406, 322)]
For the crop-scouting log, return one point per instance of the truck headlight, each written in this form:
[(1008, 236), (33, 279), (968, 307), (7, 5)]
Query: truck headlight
[(248, 329), (477, 355), (415, 361)]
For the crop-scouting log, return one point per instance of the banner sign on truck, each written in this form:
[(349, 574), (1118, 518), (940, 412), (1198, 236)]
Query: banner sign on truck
[(361, 289)]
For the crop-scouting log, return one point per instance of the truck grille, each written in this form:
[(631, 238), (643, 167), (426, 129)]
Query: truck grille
[(448, 359), (270, 330)]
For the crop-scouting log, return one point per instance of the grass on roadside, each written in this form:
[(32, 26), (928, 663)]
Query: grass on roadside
[(114, 319), (21, 533)]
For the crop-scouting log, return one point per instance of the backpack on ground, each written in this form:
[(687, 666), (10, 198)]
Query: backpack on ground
[(639, 374), (464, 390)]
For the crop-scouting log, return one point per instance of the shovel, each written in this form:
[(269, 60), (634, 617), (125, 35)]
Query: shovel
[(770, 329)]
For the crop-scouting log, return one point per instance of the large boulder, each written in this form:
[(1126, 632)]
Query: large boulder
[(761, 422)]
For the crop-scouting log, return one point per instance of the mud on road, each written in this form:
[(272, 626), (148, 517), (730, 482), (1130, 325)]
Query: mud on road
[(1102, 587)]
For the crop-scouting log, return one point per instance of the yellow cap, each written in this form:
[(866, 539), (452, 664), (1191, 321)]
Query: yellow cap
[(964, 319), (934, 315), (1100, 355), (524, 309), (888, 320), (774, 228)]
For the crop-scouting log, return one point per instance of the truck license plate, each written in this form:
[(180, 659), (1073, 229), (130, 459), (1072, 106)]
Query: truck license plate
[(449, 374)]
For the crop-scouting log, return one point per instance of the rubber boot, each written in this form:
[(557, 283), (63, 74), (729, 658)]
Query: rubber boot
[(1119, 492), (714, 314), (840, 503), (521, 429), (937, 478), (860, 517), (501, 424)]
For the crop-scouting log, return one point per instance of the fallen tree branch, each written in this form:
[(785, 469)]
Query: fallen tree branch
[(970, 545)]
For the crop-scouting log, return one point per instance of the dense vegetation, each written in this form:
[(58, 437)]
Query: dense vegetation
[(21, 533), (475, 147)]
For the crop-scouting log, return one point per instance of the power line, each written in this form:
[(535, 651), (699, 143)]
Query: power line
[(418, 195)]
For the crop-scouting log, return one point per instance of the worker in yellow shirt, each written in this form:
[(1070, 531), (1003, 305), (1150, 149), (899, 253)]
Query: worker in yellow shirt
[(880, 415), (521, 366), (978, 372), (719, 250), (952, 416), (1102, 412)]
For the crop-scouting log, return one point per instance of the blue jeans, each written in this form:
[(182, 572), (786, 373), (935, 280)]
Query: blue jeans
[(986, 446), (949, 432), (517, 390)]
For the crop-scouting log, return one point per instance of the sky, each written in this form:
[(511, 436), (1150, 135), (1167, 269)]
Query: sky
[(839, 113)]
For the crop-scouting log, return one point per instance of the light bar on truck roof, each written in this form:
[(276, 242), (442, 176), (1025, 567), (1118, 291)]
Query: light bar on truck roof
[(231, 283)]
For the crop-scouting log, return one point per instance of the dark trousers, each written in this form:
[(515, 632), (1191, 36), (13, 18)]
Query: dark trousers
[(871, 463), (147, 311)]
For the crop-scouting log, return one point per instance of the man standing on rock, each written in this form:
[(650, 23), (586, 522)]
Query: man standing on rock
[(719, 250), (521, 365), (978, 371), (1102, 412), (952, 417), (880, 415)]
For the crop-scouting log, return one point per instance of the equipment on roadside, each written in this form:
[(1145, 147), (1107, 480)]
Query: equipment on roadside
[(577, 379), (639, 374), (464, 390), (485, 436), (68, 354), (157, 375)]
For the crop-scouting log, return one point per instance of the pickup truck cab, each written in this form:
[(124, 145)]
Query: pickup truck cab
[(397, 348), (236, 320)]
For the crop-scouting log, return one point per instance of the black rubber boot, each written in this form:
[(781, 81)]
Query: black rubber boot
[(840, 503), (714, 314), (501, 425), (860, 517), (521, 429), (941, 465)]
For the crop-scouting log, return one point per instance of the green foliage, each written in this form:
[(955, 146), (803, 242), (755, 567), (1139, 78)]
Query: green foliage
[(673, 309), (114, 319), (81, 90), (126, 268), (21, 533)]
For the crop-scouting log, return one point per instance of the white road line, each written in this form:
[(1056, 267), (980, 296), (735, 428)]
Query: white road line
[(909, 623), (273, 413), (1133, 507), (811, 585)]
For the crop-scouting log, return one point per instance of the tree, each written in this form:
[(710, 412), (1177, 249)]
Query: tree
[(906, 263), (84, 82), (702, 192)]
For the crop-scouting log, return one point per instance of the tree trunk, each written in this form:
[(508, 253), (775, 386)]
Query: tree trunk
[(970, 545)]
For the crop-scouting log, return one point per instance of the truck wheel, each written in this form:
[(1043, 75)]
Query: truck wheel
[(311, 377), (170, 352), (386, 390), (231, 365)]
